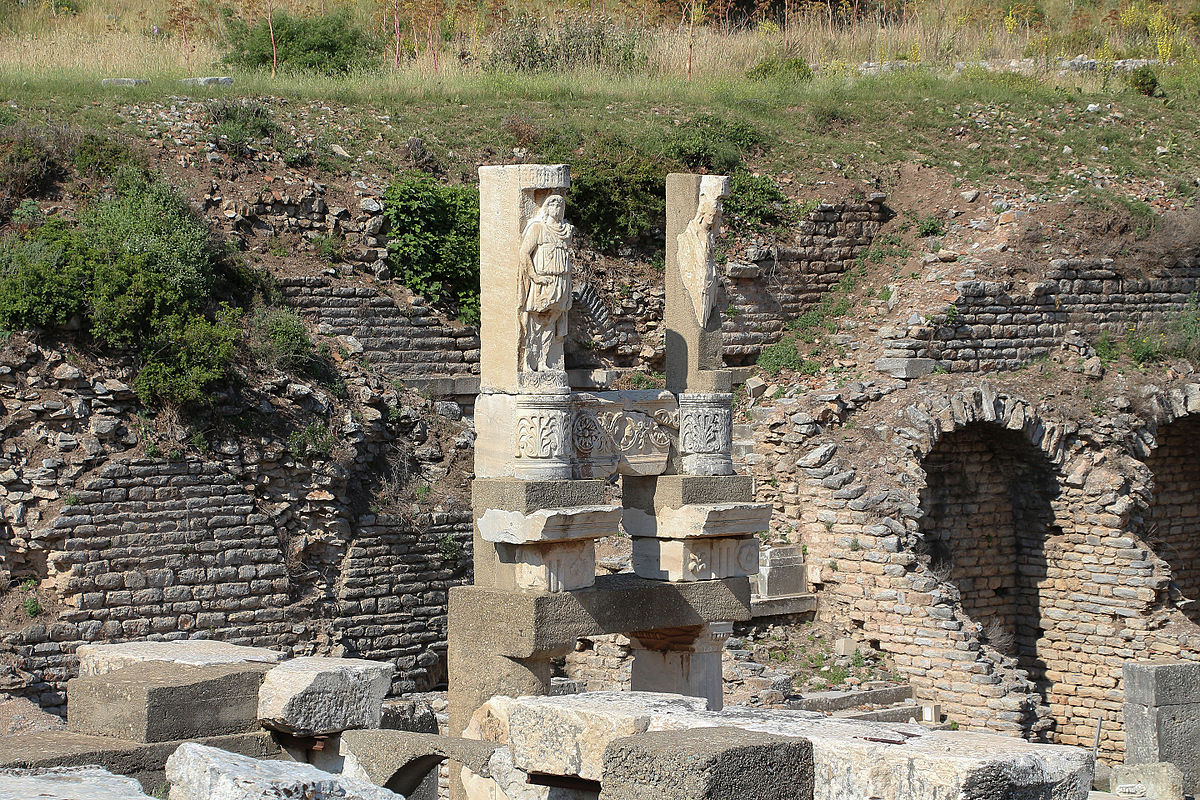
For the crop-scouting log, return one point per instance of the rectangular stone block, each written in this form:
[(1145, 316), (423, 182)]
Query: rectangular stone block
[(695, 559), (781, 571), (650, 494), (1165, 733), (523, 436), (317, 696), (1162, 683), (525, 496), (1160, 781), (97, 659), (161, 702), (556, 567), (707, 764), (549, 524), (698, 520)]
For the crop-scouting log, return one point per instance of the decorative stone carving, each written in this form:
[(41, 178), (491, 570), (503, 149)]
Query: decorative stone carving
[(623, 432), (549, 524), (545, 295), (558, 567), (697, 245), (706, 433), (695, 559), (523, 436)]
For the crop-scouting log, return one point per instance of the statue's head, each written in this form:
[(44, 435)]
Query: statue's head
[(554, 207)]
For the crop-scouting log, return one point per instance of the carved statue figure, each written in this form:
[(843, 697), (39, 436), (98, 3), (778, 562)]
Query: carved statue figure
[(697, 265), (545, 283)]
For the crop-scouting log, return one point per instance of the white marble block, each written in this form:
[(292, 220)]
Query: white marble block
[(317, 696)]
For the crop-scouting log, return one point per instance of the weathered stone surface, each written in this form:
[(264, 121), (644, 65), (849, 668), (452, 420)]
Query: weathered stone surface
[(196, 772), (155, 701), (68, 783), (699, 520), (567, 736), (906, 368), (97, 659), (1159, 781), (781, 571), (697, 559), (1162, 683), (549, 524), (707, 764), (314, 695), (504, 781)]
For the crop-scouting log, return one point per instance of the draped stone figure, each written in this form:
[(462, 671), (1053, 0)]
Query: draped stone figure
[(545, 285), (697, 263)]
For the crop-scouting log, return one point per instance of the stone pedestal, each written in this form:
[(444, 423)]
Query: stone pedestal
[(684, 661), (1162, 716)]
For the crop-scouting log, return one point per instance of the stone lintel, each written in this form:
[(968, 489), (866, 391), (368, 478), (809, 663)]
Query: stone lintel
[(524, 625), (699, 520), (549, 524), (650, 494)]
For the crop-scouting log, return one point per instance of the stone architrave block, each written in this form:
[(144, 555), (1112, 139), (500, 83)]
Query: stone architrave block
[(707, 764), (197, 772), (698, 520), (315, 695), (568, 735), (695, 559), (549, 524), (97, 659), (1160, 781), (154, 701), (68, 783)]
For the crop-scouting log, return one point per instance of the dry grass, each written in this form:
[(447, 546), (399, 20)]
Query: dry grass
[(111, 53)]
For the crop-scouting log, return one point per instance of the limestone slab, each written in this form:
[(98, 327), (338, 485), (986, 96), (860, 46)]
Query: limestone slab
[(567, 736), (504, 781), (197, 772), (699, 520), (707, 764), (549, 524), (1162, 683), (1159, 781), (679, 560), (781, 571), (315, 695), (650, 494), (68, 783), (97, 659), (156, 701)]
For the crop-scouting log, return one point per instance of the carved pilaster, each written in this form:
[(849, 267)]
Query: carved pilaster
[(706, 433)]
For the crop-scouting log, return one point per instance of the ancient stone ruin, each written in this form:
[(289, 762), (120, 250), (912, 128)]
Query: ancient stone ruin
[(1011, 563)]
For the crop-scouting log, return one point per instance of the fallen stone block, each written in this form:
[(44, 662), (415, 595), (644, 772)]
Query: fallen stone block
[(197, 772), (124, 82), (154, 701), (403, 761), (211, 80), (68, 783), (707, 764), (906, 368), (1160, 781), (505, 782), (316, 696), (567, 736), (97, 659)]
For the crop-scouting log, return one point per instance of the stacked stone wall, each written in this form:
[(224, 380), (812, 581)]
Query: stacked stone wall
[(774, 285), (1001, 325), (1173, 519)]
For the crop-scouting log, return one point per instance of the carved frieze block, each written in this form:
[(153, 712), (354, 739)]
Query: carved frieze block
[(628, 432), (706, 433)]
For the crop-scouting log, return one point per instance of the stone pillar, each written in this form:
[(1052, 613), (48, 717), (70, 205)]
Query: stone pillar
[(1162, 716), (683, 661)]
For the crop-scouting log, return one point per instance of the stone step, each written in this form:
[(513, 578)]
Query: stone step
[(900, 713), (850, 700)]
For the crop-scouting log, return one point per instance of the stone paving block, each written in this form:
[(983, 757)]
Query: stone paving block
[(68, 783), (567, 736), (316, 696), (197, 772), (707, 764), (97, 659), (155, 701)]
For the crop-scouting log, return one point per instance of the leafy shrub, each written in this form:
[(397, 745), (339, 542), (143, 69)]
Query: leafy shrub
[(315, 438), (757, 203), (775, 358), (100, 155), (278, 338), (329, 44), (32, 607), (136, 274), (434, 241), (930, 226), (237, 124), (616, 193), (579, 41), (29, 159), (1144, 80), (712, 143), (791, 70), (330, 247)]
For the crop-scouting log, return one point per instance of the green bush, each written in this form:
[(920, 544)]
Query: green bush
[(30, 157), (136, 275), (1144, 80), (433, 244), (791, 70), (580, 41), (775, 358), (329, 44), (711, 143), (756, 203), (616, 194), (278, 338)]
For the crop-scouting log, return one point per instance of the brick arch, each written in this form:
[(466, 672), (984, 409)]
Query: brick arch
[(988, 504), (1172, 520)]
